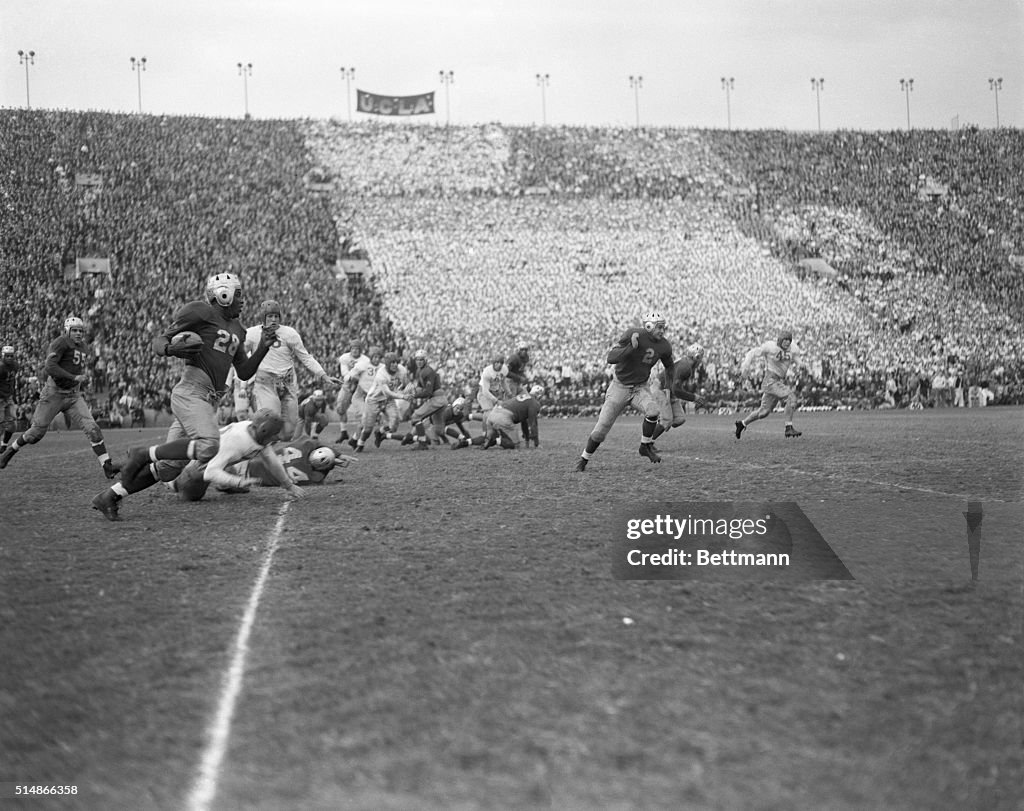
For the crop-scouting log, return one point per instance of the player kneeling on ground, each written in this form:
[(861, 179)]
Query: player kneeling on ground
[(521, 410)]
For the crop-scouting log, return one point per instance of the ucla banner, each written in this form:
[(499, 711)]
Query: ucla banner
[(422, 104)]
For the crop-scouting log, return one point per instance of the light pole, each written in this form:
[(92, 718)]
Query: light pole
[(138, 65), (447, 79), (544, 80), (817, 85), (727, 86), (636, 82), (907, 86), (27, 58), (348, 74), (995, 85), (245, 71)]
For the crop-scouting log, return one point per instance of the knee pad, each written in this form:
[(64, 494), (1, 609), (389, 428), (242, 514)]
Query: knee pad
[(652, 411), (94, 434)]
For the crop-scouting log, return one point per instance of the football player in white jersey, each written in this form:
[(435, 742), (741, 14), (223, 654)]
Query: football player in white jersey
[(239, 442), (275, 385), (778, 357)]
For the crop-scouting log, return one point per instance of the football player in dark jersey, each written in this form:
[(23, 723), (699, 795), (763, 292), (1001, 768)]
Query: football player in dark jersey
[(194, 434), (9, 368), (677, 387), (633, 356), (66, 372)]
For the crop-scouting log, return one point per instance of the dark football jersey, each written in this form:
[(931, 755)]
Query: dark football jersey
[(633, 366), (295, 458), (680, 378), (223, 339), (8, 376), (65, 360)]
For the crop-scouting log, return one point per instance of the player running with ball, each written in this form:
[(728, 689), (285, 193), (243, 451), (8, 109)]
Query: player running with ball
[(194, 434), (633, 357)]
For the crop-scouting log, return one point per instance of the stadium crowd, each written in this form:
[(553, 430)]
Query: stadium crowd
[(482, 237)]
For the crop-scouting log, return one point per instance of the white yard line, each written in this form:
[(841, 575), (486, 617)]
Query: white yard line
[(205, 787)]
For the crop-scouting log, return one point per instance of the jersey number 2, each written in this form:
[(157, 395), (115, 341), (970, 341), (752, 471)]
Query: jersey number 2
[(226, 342)]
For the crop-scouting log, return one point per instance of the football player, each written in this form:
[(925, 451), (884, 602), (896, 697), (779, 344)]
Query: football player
[(313, 414), (633, 356), (240, 442), (347, 361), (426, 387), (493, 386), (360, 378), (516, 370), (520, 410), (275, 385), (778, 357), (455, 417), (9, 368), (305, 460), (388, 383), (66, 375), (675, 385), (194, 433)]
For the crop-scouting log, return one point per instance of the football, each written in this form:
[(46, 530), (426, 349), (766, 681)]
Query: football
[(188, 338)]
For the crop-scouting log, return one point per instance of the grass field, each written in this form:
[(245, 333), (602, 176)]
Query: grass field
[(441, 630)]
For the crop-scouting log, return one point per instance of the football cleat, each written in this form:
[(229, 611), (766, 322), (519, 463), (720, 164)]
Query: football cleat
[(353, 442), (378, 437), (138, 458), (581, 465), (740, 428), (408, 439), (647, 449), (6, 456), (791, 431), (110, 470), (107, 503), (359, 448)]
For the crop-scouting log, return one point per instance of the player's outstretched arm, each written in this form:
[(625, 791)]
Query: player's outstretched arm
[(247, 367)]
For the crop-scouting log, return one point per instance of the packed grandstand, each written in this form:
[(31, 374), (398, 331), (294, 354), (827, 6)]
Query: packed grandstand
[(465, 241)]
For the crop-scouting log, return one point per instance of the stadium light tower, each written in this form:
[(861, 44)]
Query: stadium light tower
[(447, 79), (543, 81), (27, 58), (636, 82), (817, 85), (995, 85), (138, 65), (348, 74), (245, 71), (907, 85), (727, 86)]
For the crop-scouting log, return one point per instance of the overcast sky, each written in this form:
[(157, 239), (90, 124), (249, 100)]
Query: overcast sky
[(589, 48)]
